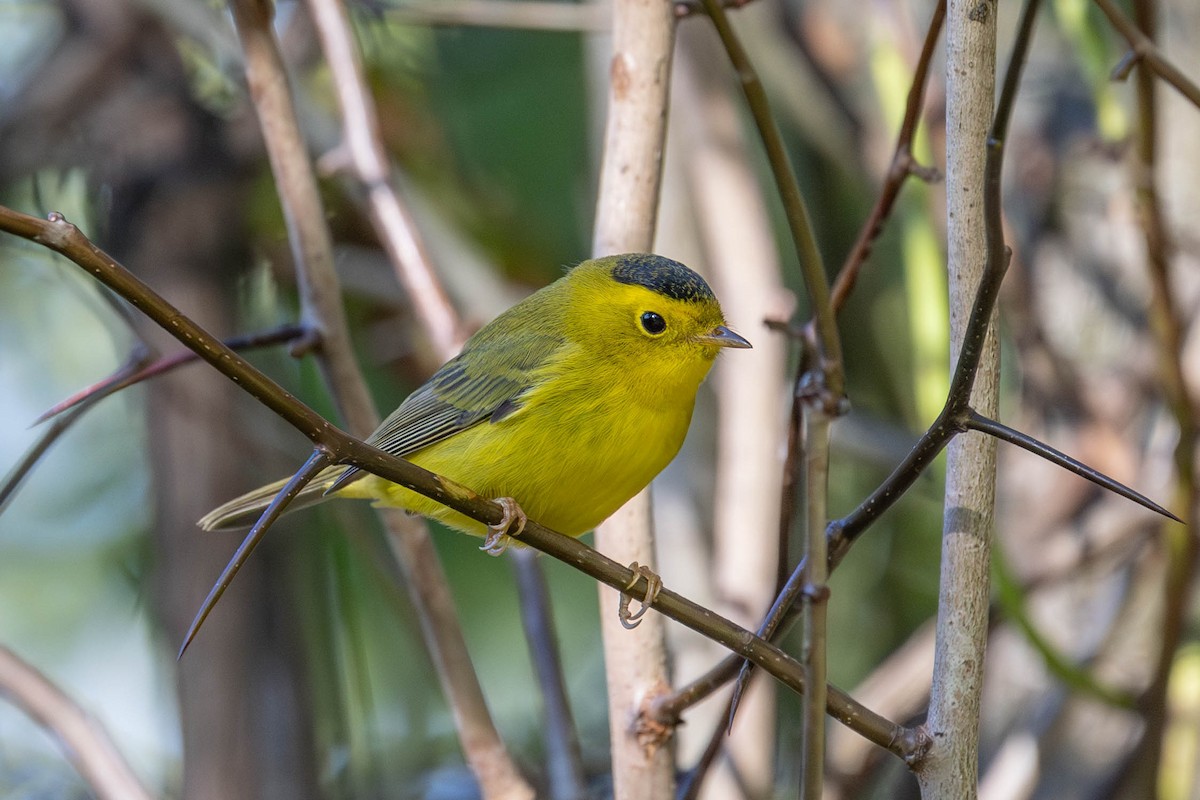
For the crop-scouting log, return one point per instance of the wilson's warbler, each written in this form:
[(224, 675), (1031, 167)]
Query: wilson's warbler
[(568, 403)]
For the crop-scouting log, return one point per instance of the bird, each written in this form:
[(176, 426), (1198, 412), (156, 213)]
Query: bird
[(562, 408)]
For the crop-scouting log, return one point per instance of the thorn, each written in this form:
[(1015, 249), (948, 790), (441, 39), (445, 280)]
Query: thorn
[(978, 422), (1125, 66)]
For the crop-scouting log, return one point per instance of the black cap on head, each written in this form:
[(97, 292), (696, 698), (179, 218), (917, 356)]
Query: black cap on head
[(662, 275)]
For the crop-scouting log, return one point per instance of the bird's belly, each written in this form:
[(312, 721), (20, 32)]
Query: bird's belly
[(566, 471)]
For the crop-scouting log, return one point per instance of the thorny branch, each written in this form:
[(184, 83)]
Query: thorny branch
[(59, 235)]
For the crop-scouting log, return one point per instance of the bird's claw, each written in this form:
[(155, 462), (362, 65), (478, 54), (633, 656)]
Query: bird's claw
[(510, 525), (631, 619)]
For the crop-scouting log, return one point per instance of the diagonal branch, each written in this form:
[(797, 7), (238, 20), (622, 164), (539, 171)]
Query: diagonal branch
[(1144, 51), (903, 165), (84, 741), (362, 151), (22, 468), (123, 378)]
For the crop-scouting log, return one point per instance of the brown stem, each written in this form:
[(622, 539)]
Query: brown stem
[(365, 156), (1145, 52), (83, 739), (1167, 326), (903, 165)]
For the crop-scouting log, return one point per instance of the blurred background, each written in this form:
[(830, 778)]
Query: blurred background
[(311, 679)]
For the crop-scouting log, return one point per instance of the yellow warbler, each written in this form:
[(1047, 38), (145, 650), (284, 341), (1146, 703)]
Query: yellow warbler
[(568, 403)]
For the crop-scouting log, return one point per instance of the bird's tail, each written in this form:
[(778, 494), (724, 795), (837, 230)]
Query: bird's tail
[(244, 511)]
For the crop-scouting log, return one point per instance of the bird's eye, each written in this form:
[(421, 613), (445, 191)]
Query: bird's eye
[(653, 323)]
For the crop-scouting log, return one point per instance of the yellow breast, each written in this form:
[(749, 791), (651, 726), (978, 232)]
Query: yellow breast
[(583, 442)]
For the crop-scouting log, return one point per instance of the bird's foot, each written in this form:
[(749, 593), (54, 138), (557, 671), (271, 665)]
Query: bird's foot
[(510, 525), (631, 619)]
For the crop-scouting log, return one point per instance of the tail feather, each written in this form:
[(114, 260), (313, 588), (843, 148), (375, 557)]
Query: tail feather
[(244, 511)]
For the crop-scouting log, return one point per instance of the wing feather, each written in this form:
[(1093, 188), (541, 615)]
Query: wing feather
[(486, 381)]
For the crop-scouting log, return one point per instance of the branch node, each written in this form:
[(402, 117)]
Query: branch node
[(816, 592), (336, 160), (307, 342), (652, 729)]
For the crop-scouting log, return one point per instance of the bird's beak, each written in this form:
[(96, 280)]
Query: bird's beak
[(723, 337)]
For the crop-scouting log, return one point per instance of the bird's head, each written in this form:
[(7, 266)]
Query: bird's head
[(649, 311)]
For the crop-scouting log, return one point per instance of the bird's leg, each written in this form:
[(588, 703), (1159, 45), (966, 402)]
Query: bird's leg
[(510, 525), (654, 585)]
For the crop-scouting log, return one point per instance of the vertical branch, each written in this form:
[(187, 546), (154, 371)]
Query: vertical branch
[(303, 211), (814, 600), (1183, 547), (564, 759), (952, 766), (743, 263), (630, 175), (312, 248)]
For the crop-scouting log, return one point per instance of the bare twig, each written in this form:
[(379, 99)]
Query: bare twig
[(84, 741), (977, 422), (828, 342), (564, 760), (22, 468), (903, 165), (319, 460), (123, 378), (1145, 52), (814, 599), (363, 151)]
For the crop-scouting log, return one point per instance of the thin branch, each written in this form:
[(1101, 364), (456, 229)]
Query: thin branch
[(319, 460), (564, 758), (33, 455), (1145, 52), (123, 379), (814, 601), (799, 223), (903, 165), (363, 152), (59, 235), (84, 741)]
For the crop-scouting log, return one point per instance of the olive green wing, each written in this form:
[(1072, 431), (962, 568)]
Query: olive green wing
[(487, 381)]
